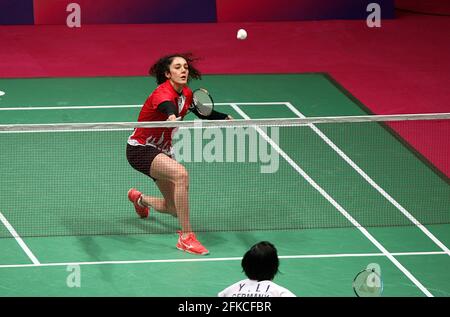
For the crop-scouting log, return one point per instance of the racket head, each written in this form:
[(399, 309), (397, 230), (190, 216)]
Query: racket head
[(368, 283), (203, 102)]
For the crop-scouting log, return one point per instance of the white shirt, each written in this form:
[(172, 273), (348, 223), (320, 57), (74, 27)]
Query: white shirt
[(252, 288)]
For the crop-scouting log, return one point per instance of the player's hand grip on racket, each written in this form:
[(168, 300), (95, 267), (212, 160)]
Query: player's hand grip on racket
[(203, 102)]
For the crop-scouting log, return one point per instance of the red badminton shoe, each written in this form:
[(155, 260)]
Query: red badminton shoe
[(134, 195), (191, 244)]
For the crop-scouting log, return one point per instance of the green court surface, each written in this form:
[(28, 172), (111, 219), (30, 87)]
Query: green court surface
[(63, 196)]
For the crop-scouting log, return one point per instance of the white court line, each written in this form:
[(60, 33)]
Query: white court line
[(283, 103), (345, 255), (203, 259), (68, 107), (19, 239), (336, 205), (70, 130), (371, 181), (131, 106)]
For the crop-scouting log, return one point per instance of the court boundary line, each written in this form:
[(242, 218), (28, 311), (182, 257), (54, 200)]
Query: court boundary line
[(331, 200), (262, 103), (368, 179), (19, 240), (204, 259)]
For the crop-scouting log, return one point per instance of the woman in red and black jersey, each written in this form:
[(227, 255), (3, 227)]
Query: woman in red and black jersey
[(149, 150)]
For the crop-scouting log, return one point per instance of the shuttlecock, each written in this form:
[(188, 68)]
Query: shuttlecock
[(241, 34)]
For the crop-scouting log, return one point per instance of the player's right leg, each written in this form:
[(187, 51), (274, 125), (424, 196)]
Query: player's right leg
[(168, 170)]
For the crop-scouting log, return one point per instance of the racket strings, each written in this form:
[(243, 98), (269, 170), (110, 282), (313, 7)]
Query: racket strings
[(203, 102), (368, 284)]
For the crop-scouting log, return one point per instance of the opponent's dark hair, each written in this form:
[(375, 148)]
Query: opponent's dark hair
[(261, 261), (162, 66)]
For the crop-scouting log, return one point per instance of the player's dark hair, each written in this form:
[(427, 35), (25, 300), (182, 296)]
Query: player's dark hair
[(261, 261), (162, 66)]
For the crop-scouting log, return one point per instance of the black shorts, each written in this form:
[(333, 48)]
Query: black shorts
[(141, 157)]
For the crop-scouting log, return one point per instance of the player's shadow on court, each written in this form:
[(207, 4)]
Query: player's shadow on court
[(224, 238), (153, 224), (94, 251)]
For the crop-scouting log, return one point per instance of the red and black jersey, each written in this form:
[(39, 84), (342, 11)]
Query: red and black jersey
[(160, 138)]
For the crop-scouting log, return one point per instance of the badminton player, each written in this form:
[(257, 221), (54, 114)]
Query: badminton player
[(149, 150), (260, 264)]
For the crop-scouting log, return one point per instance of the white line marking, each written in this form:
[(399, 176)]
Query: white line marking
[(336, 205), (128, 106), (73, 130), (19, 239), (69, 107), (371, 181), (359, 255), (306, 256)]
